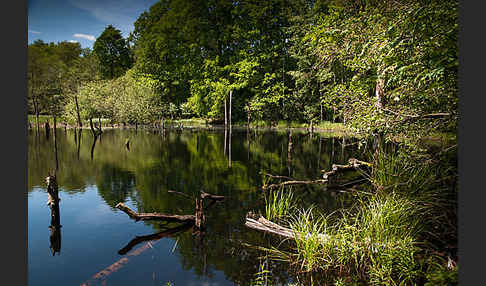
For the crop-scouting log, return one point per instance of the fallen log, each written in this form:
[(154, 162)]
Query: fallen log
[(262, 224), (288, 183), (353, 165), (154, 216), (205, 195)]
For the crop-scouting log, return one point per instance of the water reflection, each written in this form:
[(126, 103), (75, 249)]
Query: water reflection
[(55, 231), (53, 203), (188, 162)]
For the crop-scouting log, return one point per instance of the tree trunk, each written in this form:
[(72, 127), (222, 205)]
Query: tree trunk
[(36, 107), (55, 142), (229, 149), (321, 113), (79, 141), (199, 217), (91, 127), (80, 124), (380, 93), (53, 203), (225, 114), (248, 117), (225, 139), (47, 129), (230, 97)]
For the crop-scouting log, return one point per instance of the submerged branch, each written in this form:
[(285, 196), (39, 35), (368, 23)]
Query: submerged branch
[(154, 216)]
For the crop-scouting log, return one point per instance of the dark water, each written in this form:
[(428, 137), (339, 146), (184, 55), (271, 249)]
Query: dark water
[(93, 180)]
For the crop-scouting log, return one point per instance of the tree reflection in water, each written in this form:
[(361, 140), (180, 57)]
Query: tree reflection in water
[(189, 162)]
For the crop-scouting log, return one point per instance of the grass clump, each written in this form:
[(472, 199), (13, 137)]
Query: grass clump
[(279, 204), (390, 237), (309, 238)]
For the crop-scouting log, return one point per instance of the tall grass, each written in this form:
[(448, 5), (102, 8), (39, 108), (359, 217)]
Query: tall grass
[(386, 238), (279, 204), (308, 231)]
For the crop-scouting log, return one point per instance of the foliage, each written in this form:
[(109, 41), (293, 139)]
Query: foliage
[(407, 48), (125, 99), (388, 237), (113, 53)]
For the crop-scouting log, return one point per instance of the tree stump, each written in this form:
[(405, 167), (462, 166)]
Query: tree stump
[(53, 203), (200, 218)]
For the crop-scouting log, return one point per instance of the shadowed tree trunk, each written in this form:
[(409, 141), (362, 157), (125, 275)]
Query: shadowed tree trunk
[(199, 214), (47, 127), (80, 124), (225, 114), (289, 154), (55, 142), (91, 127), (225, 139), (230, 97), (248, 116), (93, 147), (79, 140), (53, 203), (229, 149)]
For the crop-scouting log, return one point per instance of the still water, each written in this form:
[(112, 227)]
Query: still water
[(91, 246)]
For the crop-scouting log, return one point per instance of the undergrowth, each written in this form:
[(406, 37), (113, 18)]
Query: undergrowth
[(402, 234)]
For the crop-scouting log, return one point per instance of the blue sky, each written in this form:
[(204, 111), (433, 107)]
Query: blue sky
[(81, 20)]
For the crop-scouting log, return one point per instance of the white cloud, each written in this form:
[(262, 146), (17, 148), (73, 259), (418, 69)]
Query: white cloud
[(73, 41), (34, 32), (84, 36)]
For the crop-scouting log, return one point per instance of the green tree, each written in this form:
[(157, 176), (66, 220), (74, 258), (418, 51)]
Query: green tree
[(113, 53)]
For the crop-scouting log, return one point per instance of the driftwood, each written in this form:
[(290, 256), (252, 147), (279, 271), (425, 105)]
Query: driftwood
[(353, 165), (155, 216), (262, 224), (205, 195)]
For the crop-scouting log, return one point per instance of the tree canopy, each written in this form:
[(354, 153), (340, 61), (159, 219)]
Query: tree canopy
[(375, 65), (113, 53)]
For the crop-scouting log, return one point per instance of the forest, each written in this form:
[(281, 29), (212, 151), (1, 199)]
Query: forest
[(375, 65), (385, 70)]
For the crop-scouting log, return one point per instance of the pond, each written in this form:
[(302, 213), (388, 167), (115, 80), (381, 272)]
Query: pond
[(91, 246)]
